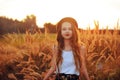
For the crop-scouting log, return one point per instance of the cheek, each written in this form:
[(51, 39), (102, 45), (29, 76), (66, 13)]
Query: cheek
[(62, 32), (71, 33)]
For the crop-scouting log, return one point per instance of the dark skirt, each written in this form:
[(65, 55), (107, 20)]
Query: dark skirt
[(62, 76)]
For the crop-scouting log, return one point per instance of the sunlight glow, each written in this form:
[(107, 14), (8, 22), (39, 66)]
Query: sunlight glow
[(107, 12)]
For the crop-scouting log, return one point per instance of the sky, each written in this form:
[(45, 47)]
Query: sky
[(107, 12)]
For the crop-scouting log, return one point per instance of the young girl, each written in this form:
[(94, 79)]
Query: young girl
[(69, 55)]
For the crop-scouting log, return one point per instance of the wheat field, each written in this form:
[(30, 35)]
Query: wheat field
[(28, 56)]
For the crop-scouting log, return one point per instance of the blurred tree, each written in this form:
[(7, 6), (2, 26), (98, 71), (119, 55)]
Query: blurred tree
[(30, 23), (1, 28), (14, 26), (50, 27)]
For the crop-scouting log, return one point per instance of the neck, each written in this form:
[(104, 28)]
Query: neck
[(67, 45), (66, 42)]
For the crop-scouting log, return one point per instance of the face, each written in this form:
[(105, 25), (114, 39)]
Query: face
[(66, 30)]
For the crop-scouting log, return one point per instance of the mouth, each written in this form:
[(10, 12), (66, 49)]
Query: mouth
[(66, 34)]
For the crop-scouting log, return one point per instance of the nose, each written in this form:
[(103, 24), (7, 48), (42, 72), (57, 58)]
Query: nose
[(67, 30)]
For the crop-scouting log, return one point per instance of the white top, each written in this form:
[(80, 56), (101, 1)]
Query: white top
[(68, 63)]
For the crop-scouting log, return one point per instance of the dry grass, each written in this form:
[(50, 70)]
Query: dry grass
[(28, 56)]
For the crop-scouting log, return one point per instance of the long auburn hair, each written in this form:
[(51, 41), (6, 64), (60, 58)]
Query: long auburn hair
[(74, 42)]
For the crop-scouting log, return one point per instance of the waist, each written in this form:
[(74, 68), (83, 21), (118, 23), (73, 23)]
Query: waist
[(68, 69), (67, 76)]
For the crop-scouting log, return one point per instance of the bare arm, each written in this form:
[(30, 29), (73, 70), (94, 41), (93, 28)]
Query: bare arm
[(83, 51), (53, 67)]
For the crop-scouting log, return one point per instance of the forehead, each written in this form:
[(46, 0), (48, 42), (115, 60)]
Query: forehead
[(66, 24)]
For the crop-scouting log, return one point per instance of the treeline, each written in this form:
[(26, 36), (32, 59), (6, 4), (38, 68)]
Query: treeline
[(8, 25)]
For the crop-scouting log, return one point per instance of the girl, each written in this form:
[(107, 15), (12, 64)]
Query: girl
[(69, 55)]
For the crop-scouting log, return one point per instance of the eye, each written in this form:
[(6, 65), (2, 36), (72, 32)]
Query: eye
[(63, 29)]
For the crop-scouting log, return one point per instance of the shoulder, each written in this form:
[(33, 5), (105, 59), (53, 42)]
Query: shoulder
[(54, 48), (82, 46), (83, 50)]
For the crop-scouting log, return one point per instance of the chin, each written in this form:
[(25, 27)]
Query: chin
[(67, 38)]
